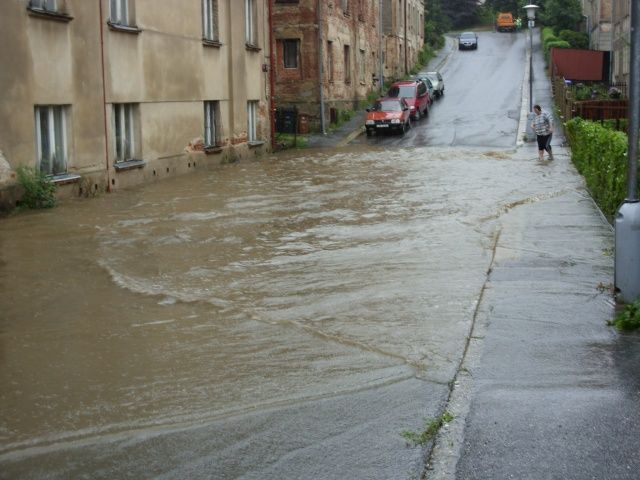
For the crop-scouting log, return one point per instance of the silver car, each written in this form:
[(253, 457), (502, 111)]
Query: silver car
[(468, 41), (437, 82)]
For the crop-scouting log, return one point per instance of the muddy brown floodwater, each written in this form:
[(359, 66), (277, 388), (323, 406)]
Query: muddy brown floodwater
[(252, 288)]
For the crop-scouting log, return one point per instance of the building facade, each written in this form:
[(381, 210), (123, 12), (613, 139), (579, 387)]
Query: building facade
[(598, 16), (621, 41), (105, 94), (329, 55)]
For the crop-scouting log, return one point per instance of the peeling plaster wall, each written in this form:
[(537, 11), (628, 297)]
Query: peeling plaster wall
[(165, 69)]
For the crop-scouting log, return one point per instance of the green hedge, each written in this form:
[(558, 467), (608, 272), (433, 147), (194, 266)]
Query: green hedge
[(546, 33), (600, 155), (554, 44)]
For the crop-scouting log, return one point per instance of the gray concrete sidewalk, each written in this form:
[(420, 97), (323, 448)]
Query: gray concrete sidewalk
[(547, 390), (350, 130)]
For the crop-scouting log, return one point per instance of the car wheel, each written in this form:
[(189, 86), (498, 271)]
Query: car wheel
[(369, 132)]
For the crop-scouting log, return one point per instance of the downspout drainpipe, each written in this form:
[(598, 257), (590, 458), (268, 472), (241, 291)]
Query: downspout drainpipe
[(381, 55), (272, 79), (321, 68), (406, 40), (104, 99)]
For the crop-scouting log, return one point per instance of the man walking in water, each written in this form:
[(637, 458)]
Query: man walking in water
[(543, 126)]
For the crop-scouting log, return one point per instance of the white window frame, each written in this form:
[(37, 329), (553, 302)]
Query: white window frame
[(46, 5), (56, 137), (252, 121), (210, 30), (124, 123), (211, 123), (249, 22), (119, 12)]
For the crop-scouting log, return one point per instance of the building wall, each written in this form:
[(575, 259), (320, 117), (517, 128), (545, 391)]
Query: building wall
[(598, 13), (354, 25), (621, 19), (162, 66)]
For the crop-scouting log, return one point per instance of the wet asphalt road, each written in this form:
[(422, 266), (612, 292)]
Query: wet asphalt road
[(481, 105), (279, 319)]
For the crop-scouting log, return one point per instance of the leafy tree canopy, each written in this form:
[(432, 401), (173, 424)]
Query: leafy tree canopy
[(462, 13), (562, 14)]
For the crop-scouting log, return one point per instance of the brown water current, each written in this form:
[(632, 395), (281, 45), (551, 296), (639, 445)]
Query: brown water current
[(241, 288)]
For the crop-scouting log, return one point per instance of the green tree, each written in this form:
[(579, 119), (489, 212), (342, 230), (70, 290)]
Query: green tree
[(561, 14), (436, 24), (462, 13)]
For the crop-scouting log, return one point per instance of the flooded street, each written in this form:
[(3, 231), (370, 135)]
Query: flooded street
[(207, 301), (285, 318)]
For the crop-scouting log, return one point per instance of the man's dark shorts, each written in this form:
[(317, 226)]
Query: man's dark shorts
[(544, 142)]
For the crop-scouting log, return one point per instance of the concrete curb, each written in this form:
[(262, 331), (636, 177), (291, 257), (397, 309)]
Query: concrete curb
[(524, 107)]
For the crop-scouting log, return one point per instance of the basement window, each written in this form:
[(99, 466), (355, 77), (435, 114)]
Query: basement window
[(211, 125)]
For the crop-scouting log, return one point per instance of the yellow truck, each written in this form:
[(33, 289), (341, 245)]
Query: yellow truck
[(505, 23)]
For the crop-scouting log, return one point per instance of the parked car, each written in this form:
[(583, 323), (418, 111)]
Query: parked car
[(415, 93), (388, 114), (432, 92), (468, 41), (437, 81)]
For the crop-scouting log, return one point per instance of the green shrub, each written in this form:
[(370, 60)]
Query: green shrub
[(600, 155), (546, 33), (575, 39), (554, 44), (39, 190), (629, 319)]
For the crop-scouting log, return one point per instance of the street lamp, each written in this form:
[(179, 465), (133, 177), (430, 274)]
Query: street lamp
[(531, 15), (627, 221)]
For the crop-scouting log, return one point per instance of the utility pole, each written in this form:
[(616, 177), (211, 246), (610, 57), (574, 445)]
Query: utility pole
[(627, 221)]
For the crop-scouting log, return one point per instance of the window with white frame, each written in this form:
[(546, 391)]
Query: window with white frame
[(119, 12), (124, 128), (252, 121), (251, 37), (48, 5), (211, 123), (210, 20), (51, 139)]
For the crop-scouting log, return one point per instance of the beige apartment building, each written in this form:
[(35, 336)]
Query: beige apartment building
[(105, 94), (330, 54), (598, 14)]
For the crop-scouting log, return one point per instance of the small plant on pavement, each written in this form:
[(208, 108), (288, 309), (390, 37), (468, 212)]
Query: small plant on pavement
[(629, 319), (431, 428), (39, 191)]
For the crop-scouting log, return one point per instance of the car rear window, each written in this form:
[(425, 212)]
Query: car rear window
[(403, 91)]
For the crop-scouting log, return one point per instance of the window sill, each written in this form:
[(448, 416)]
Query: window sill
[(65, 178), (48, 14), (255, 143), (129, 165), (212, 149), (124, 28), (253, 48), (207, 42)]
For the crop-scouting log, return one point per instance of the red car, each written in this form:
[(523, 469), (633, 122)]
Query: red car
[(388, 114), (416, 94)]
